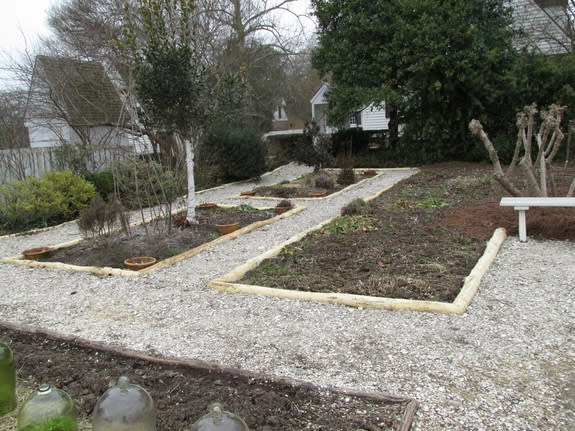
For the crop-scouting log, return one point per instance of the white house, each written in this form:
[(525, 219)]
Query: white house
[(75, 102), (370, 118), (544, 24)]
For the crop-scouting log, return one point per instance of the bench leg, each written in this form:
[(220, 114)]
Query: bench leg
[(522, 226)]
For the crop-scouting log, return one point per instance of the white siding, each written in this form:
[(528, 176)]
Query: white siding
[(374, 118), (543, 26)]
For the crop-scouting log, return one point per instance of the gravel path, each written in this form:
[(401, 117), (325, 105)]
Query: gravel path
[(507, 364)]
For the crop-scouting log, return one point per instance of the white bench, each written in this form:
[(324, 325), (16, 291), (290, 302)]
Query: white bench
[(523, 204)]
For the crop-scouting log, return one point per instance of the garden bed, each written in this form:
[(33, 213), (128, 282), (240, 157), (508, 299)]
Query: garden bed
[(314, 185), (418, 241), (183, 391), (106, 255)]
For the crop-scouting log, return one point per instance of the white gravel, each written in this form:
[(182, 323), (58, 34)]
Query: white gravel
[(507, 364)]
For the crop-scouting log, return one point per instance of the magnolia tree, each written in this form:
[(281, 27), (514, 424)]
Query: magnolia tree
[(544, 142)]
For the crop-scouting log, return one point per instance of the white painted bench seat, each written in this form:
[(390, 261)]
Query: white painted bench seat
[(522, 204)]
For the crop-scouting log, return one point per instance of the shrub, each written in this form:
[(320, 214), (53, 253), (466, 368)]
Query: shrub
[(240, 153), (324, 181), (76, 191), (313, 149), (103, 182), (346, 177), (39, 202), (355, 207), (100, 218)]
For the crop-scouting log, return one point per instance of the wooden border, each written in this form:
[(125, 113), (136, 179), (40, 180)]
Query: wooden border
[(21, 260), (227, 283), (380, 172)]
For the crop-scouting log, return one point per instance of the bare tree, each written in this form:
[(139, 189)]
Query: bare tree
[(546, 141)]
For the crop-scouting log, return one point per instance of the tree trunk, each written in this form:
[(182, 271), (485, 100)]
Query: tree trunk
[(191, 212), (477, 129)]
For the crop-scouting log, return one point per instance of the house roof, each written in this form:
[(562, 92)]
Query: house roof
[(319, 96), (82, 89)]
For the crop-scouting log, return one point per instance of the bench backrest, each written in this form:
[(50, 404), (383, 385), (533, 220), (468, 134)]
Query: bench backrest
[(537, 202)]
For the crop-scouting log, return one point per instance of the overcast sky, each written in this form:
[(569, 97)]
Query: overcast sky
[(22, 21), (22, 17)]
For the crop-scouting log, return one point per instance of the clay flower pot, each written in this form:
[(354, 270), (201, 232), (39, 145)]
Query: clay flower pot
[(224, 229), (283, 206), (140, 262), (316, 194), (249, 193), (37, 253), (281, 210), (207, 205)]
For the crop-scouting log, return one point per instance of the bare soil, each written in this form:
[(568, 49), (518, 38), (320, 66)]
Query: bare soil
[(183, 392), (418, 240), (308, 187), (157, 239)]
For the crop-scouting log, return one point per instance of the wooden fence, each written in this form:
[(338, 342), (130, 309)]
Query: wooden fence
[(19, 163)]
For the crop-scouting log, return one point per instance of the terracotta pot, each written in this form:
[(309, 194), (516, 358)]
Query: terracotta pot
[(316, 194), (224, 229), (207, 205), (249, 193), (281, 210), (140, 262), (37, 253)]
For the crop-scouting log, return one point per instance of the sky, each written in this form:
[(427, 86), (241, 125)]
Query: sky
[(22, 17), (22, 21)]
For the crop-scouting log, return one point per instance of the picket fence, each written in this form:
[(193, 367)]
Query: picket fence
[(17, 164)]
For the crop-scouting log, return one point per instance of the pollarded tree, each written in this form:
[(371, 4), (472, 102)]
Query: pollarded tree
[(544, 141), (171, 77), (435, 64)]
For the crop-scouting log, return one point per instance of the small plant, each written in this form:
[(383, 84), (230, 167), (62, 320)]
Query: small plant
[(246, 208), (324, 181), (101, 218), (355, 207), (461, 240), (284, 204), (432, 203), (180, 221), (350, 224), (346, 177)]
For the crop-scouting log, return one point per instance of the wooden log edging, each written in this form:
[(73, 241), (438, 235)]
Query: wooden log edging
[(227, 283), (21, 260), (380, 172), (405, 422)]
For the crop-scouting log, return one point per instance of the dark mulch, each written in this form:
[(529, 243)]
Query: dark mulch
[(182, 392)]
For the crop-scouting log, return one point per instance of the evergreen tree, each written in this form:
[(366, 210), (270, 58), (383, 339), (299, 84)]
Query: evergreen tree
[(435, 64)]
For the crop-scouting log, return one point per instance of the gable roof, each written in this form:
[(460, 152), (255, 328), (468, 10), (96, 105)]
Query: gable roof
[(319, 96), (82, 90)]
